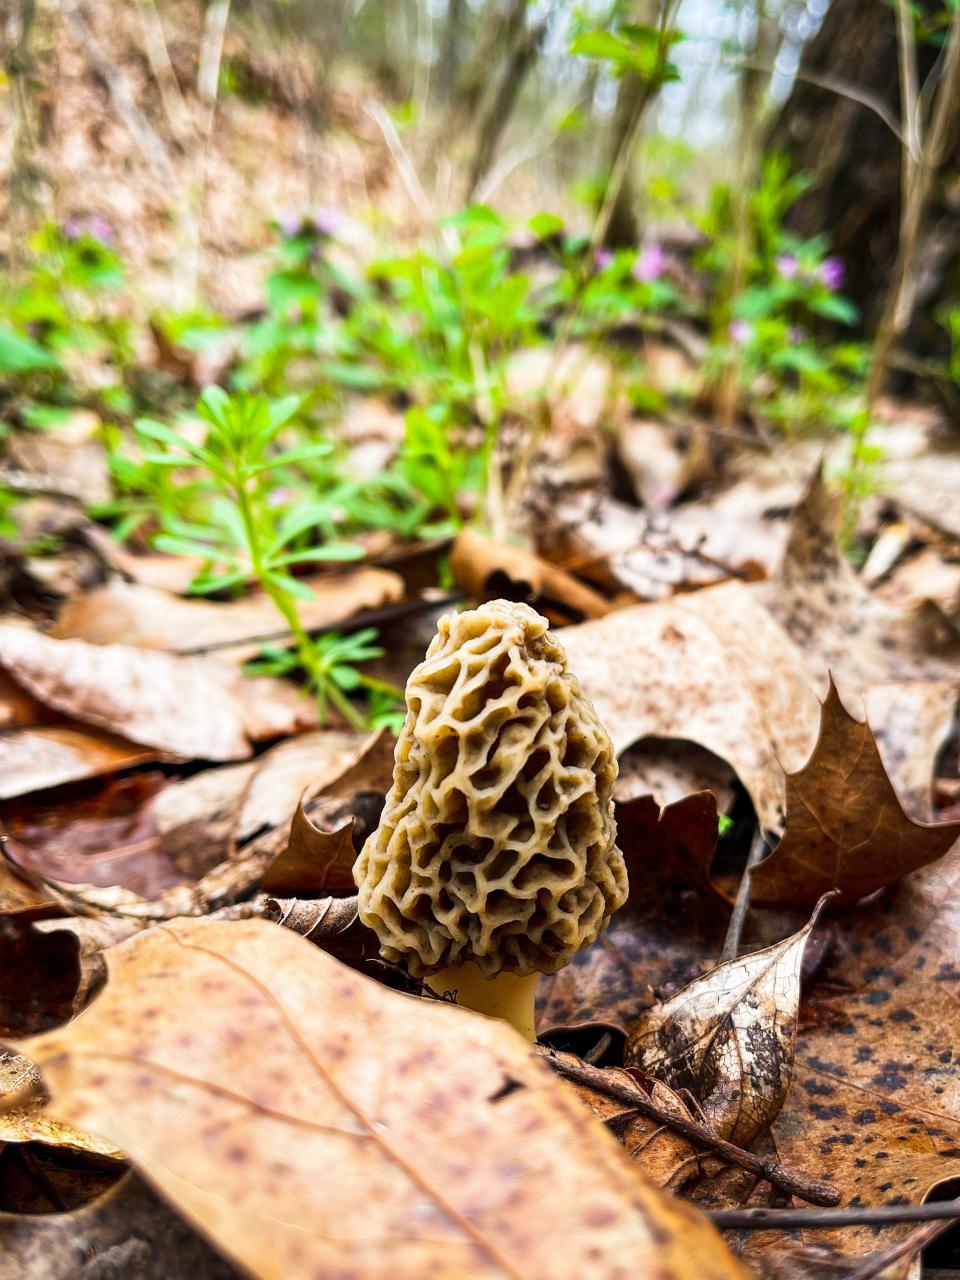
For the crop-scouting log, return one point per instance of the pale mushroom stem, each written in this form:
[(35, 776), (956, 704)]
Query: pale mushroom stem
[(506, 996)]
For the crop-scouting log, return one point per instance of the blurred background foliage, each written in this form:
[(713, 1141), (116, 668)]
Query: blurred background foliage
[(395, 205)]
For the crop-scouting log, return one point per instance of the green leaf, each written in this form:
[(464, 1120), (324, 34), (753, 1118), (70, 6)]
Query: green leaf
[(833, 307), (20, 354), (338, 551)]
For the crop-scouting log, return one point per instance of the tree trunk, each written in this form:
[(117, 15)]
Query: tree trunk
[(854, 158)]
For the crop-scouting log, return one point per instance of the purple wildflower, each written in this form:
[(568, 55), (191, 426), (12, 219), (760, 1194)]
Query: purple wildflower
[(326, 222), (740, 332), (787, 266), (99, 229), (289, 222), (603, 259), (650, 263), (832, 273), (796, 334), (73, 228)]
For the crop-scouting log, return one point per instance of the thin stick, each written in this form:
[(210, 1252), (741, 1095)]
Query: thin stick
[(731, 943), (790, 1181), (828, 1219), (876, 1264)]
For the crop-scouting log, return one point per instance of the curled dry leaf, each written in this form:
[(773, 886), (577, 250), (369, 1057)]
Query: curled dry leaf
[(729, 1036), (846, 829), (269, 1122), (128, 1231), (487, 570), (24, 1119), (149, 618)]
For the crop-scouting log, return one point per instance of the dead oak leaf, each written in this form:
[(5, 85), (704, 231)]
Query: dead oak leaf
[(311, 1120), (729, 1036), (839, 626), (712, 667), (845, 828), (314, 861)]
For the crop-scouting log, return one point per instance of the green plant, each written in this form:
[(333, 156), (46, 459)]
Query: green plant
[(772, 329), (254, 528), (63, 340)]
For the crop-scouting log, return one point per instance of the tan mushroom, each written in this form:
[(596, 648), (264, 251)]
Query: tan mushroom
[(495, 859)]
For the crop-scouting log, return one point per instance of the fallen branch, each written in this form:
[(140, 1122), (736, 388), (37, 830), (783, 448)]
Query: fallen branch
[(788, 1181)]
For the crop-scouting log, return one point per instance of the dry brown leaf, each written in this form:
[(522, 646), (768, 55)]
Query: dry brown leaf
[(875, 1103), (487, 570), (67, 460), (128, 1230), (838, 625), (933, 574), (309, 763), (423, 1177), (314, 862), (845, 829), (711, 667), (681, 836), (18, 894), (194, 707), (911, 720), (105, 836), (23, 1118), (729, 1037), (51, 754), (149, 618), (670, 770)]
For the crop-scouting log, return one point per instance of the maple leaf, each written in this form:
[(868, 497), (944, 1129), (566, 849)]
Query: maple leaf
[(845, 827), (729, 1036)]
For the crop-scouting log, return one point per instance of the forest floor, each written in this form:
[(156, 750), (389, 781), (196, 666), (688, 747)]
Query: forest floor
[(208, 1068)]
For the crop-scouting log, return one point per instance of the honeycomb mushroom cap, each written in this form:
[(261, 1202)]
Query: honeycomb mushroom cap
[(497, 840)]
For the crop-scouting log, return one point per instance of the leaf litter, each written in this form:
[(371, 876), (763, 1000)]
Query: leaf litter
[(827, 1047)]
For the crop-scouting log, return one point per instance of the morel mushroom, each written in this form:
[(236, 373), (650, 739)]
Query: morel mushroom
[(495, 859)]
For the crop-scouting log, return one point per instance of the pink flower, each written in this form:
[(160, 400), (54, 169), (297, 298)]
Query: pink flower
[(786, 265), (650, 263), (832, 273), (602, 259), (740, 332)]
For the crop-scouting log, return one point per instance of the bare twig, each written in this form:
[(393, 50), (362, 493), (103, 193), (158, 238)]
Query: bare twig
[(828, 1219), (789, 1181), (731, 943), (833, 84)]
